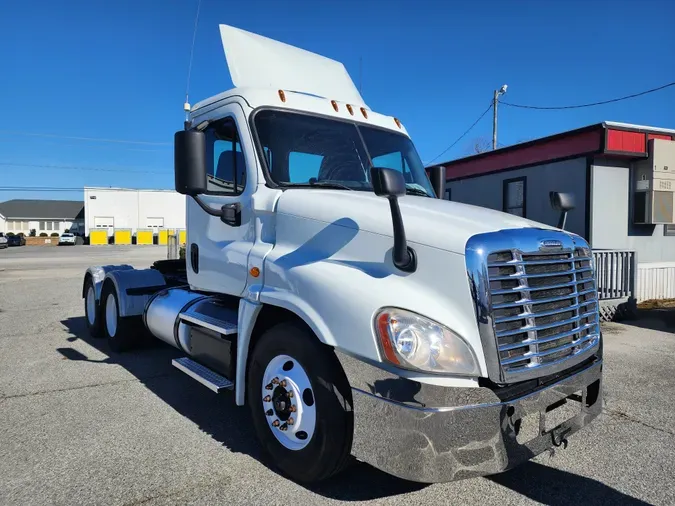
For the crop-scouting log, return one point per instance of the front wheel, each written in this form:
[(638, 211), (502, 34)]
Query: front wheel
[(300, 402)]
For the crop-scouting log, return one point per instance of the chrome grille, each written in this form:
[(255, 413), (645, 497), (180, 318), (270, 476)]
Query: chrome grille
[(539, 306)]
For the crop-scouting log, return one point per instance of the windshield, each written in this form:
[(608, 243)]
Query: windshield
[(304, 150)]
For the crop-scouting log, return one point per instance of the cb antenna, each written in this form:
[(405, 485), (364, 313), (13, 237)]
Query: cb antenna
[(186, 105)]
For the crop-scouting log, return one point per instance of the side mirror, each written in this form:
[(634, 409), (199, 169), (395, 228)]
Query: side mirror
[(562, 202), (387, 182), (390, 183), (437, 176), (189, 159)]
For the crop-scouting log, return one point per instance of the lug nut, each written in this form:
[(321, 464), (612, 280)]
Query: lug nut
[(267, 398), (269, 412), (290, 421), (290, 394), (292, 409), (275, 381), (269, 387), (283, 384), (275, 423), (284, 427)]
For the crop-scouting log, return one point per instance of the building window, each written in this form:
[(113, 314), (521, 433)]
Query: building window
[(515, 196), (42, 225), (49, 225), (669, 230)]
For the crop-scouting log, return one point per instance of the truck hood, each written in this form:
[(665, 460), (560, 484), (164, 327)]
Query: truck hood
[(431, 222)]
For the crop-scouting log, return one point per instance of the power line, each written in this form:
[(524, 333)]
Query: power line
[(65, 189), (91, 139), (75, 167), (461, 136), (591, 104)]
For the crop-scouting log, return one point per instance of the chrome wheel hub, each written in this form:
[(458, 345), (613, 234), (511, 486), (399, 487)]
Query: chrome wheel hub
[(288, 402)]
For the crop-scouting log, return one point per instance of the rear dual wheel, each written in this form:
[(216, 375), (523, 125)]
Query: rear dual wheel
[(300, 402), (122, 332)]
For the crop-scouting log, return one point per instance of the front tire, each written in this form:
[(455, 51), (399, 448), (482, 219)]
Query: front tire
[(120, 332), (300, 402)]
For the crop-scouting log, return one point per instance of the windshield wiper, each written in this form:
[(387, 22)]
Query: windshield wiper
[(324, 184), (416, 191)]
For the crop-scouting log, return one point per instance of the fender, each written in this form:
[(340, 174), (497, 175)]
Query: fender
[(98, 274), (134, 288)]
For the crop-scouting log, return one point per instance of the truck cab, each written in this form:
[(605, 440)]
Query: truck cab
[(348, 306)]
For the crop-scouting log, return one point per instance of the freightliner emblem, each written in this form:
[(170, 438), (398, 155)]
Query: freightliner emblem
[(550, 244)]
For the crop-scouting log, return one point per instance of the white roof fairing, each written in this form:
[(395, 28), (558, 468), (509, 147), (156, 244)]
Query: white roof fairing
[(259, 62)]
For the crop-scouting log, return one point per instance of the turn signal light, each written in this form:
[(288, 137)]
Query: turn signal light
[(334, 104), (398, 123), (363, 111), (282, 95), (350, 109), (255, 272)]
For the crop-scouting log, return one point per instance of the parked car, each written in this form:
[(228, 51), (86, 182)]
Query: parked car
[(67, 239), (16, 240), (3, 241)]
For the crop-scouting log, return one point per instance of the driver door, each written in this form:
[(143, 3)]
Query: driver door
[(216, 252)]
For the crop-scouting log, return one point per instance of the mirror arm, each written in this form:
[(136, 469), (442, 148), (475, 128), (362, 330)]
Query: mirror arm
[(562, 220), (208, 210), (403, 256)]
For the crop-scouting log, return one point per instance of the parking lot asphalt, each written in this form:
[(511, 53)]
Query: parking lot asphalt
[(82, 425)]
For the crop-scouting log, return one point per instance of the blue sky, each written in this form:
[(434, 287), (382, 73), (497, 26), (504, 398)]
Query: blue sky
[(117, 70)]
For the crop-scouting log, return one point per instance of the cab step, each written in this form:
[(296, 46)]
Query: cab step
[(213, 317), (210, 379)]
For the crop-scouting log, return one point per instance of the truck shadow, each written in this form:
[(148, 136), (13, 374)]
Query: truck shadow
[(231, 426), (218, 416), (554, 487)]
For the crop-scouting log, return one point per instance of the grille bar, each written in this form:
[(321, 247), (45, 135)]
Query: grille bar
[(543, 340), (559, 323), (532, 288), (522, 302), (520, 275), (538, 354), (532, 262), (521, 316)]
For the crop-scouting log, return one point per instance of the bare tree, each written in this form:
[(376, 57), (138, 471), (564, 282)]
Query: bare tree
[(480, 145)]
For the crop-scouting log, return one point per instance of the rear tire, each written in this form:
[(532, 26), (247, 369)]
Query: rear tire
[(92, 312), (122, 333), (319, 406)]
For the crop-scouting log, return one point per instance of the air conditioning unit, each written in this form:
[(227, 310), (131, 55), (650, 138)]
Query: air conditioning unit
[(654, 184)]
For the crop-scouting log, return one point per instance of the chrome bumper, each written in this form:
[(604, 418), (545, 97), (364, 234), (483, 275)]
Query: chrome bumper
[(464, 438)]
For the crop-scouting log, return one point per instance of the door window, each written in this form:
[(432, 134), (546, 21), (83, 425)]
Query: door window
[(226, 166)]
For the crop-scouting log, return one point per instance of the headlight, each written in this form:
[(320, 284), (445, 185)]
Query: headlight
[(416, 342)]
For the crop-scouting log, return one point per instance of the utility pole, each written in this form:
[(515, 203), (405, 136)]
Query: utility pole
[(495, 100), (494, 120)]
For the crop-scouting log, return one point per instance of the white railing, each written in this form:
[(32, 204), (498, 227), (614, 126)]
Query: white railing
[(615, 274)]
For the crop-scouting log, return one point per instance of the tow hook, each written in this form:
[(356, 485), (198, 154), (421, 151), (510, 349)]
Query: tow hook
[(560, 442)]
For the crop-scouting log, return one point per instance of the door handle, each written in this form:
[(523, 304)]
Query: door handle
[(231, 214)]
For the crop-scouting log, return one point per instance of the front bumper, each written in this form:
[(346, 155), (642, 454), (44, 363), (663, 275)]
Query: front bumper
[(475, 434)]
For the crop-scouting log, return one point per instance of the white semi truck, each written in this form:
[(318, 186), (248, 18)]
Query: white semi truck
[(353, 311)]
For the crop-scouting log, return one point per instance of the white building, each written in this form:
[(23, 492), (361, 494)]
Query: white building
[(43, 216), (120, 208)]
